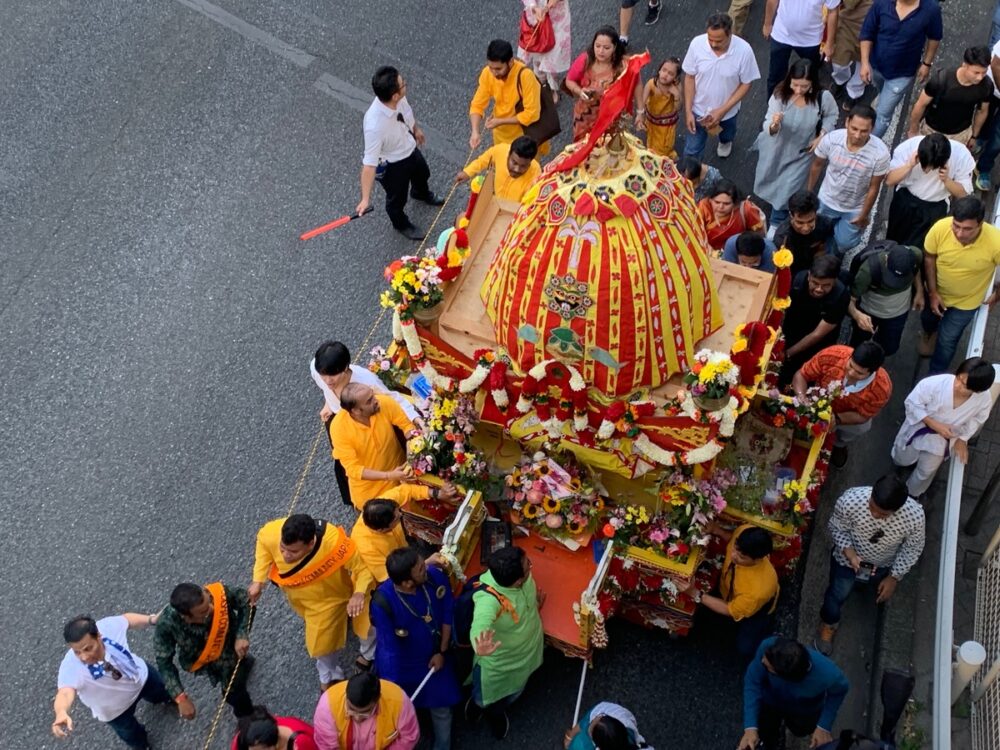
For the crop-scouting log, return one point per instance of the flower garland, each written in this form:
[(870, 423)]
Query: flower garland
[(782, 288), (588, 603), (749, 342), (623, 417), (406, 331), (447, 554), (493, 366), (726, 417), (534, 393)]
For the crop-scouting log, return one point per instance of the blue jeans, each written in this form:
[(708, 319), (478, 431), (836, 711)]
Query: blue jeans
[(995, 31), (694, 144), (845, 234), (126, 726), (888, 331), (890, 93), (949, 329), (842, 583), (781, 53), (989, 138), (441, 721), (778, 217)]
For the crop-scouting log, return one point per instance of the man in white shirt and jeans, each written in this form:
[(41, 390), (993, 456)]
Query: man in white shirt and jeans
[(856, 164), (797, 25), (719, 69), (100, 669), (392, 153), (878, 535)]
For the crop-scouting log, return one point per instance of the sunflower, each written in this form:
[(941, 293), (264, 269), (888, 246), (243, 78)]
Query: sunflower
[(529, 511), (551, 505), (599, 503), (574, 527)]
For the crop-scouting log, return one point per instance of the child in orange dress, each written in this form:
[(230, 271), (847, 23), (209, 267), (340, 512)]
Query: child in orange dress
[(661, 101)]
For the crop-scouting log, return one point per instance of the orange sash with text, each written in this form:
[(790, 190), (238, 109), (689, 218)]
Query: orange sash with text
[(219, 629), (334, 550)]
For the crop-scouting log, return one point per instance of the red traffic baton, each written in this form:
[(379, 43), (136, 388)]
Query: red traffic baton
[(334, 224)]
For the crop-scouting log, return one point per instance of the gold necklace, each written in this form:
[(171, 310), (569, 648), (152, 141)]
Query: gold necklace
[(429, 617)]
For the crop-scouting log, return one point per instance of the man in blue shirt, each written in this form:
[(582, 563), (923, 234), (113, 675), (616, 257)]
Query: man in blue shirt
[(790, 684), (750, 249), (899, 40)]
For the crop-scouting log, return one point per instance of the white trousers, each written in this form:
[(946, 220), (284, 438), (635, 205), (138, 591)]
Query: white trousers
[(329, 667), (851, 75), (927, 466)]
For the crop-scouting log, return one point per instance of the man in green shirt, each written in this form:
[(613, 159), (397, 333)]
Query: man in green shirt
[(206, 627), (885, 285), (506, 636)]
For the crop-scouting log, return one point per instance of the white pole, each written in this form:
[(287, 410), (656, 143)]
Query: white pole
[(988, 680), (969, 659), (579, 693), (421, 685)]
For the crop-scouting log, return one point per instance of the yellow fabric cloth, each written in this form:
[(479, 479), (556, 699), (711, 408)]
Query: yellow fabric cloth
[(504, 185), (505, 98), (390, 703), (322, 604), (374, 446), (660, 138), (747, 588), (964, 272), (374, 547)]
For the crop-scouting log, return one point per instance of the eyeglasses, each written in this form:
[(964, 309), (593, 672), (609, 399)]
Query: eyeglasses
[(109, 668), (876, 537)]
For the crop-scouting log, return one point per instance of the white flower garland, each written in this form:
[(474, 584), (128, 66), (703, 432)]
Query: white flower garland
[(726, 417), (476, 378), (448, 555), (408, 332)]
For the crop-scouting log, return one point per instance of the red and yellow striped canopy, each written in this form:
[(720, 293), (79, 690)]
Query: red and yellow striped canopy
[(608, 271)]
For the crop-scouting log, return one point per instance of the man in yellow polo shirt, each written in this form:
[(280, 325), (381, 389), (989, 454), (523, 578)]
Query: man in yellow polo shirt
[(377, 532), (748, 586), (516, 95), (514, 166), (961, 255), (366, 444)]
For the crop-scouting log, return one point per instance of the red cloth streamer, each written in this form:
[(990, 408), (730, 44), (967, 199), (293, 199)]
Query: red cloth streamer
[(618, 97), (783, 287)]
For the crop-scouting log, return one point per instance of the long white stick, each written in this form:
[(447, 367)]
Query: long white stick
[(421, 685), (579, 693)]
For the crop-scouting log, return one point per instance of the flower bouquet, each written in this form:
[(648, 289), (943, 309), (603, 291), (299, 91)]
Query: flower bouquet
[(557, 498), (415, 286), (809, 416), (392, 375), (712, 379), (444, 447), (686, 507)]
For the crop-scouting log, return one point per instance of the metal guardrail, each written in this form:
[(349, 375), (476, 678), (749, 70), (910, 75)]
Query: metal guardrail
[(944, 630), (985, 687)]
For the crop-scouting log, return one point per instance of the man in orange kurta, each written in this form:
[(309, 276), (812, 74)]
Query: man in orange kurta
[(378, 531), (514, 167), (365, 443), (516, 95), (317, 566)]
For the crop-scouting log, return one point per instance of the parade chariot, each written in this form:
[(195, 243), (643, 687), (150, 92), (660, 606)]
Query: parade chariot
[(602, 387)]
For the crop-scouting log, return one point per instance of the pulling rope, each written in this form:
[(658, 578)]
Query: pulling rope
[(307, 467)]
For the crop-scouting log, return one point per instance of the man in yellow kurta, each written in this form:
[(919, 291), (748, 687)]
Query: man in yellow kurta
[(514, 166), (378, 531), (317, 566), (512, 109), (367, 447)]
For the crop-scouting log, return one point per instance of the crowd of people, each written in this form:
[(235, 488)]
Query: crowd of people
[(420, 642)]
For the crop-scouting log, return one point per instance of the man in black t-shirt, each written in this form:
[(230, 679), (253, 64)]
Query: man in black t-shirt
[(818, 306), (954, 100), (805, 233)]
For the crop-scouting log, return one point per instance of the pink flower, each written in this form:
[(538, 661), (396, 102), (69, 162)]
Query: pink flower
[(384, 365)]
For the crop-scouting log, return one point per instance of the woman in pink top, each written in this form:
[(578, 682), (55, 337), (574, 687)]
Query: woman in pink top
[(261, 731)]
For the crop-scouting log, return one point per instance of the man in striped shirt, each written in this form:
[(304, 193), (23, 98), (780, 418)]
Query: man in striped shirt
[(878, 535)]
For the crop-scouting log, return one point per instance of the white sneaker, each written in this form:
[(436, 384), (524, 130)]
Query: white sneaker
[(724, 149)]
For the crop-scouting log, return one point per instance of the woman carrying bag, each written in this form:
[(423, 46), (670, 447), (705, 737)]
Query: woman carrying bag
[(544, 43)]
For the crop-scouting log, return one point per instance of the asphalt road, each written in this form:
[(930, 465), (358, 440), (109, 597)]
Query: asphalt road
[(157, 314)]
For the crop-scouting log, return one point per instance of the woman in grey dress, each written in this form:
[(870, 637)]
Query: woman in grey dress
[(799, 113)]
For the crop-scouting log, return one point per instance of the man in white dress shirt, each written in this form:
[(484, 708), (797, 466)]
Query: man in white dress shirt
[(331, 369), (719, 69), (392, 153), (107, 677)]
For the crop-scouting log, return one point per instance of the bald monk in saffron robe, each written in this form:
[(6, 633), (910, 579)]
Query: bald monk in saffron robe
[(366, 445), (317, 566)]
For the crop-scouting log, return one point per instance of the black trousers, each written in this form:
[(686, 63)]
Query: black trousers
[(238, 698), (401, 178), (910, 218), (770, 719), (343, 483)]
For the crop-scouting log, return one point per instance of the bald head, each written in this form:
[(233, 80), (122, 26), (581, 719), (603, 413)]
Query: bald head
[(359, 400)]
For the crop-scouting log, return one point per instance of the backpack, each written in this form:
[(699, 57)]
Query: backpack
[(461, 629), (872, 255)]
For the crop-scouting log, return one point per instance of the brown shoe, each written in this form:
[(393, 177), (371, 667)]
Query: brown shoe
[(926, 343), (823, 642)]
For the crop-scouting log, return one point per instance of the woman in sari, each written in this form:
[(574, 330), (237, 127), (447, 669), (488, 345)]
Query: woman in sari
[(725, 216), (799, 113), (942, 413), (262, 731), (590, 75)]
